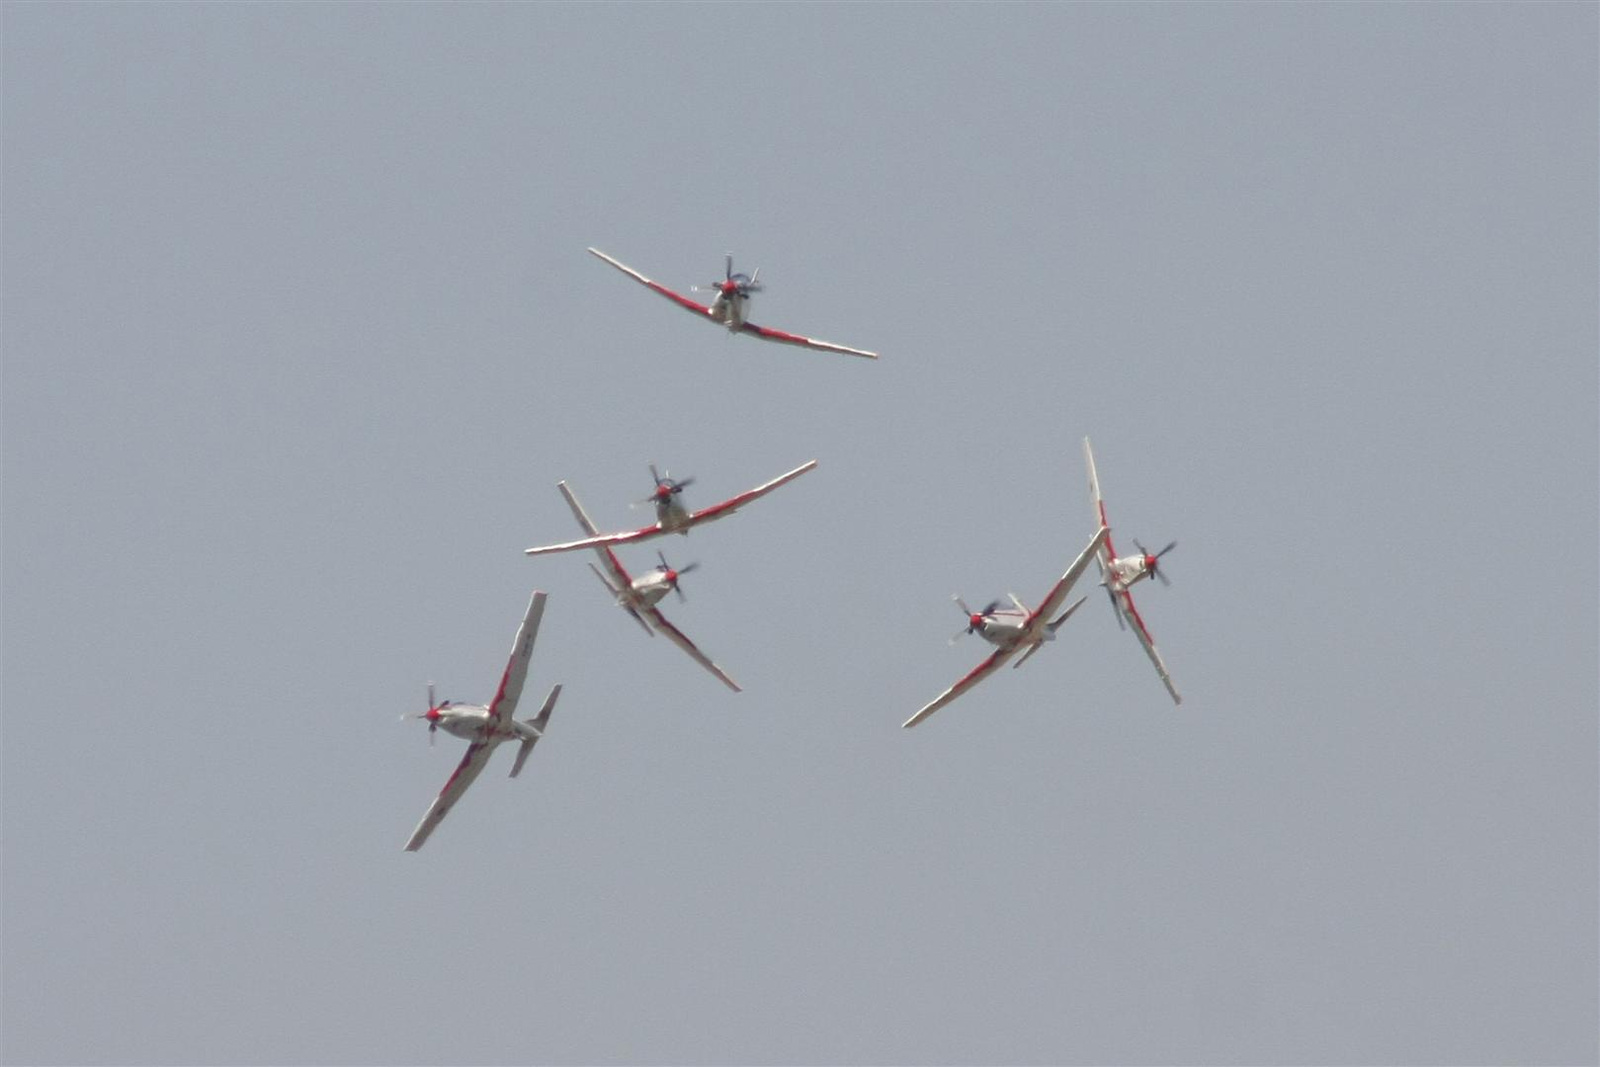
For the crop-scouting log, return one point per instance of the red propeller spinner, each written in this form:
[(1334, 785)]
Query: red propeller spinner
[(1152, 561)]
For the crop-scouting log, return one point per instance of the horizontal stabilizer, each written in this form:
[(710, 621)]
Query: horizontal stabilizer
[(538, 723)]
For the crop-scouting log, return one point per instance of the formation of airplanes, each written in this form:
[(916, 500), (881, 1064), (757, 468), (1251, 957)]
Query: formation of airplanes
[(1015, 630)]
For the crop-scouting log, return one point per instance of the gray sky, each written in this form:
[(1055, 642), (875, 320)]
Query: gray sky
[(299, 335)]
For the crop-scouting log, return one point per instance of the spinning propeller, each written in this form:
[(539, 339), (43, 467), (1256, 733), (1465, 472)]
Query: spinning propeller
[(431, 715), (666, 487), (1151, 562), (975, 619), (733, 284), (672, 575)]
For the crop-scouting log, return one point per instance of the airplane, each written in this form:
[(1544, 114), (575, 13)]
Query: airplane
[(728, 306), (670, 514), (1118, 573), (486, 726), (1014, 629), (639, 596)]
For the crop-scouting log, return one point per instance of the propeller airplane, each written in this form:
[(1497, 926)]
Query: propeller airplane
[(728, 306), (1014, 629), (1119, 573), (485, 727), (671, 516), (639, 596)]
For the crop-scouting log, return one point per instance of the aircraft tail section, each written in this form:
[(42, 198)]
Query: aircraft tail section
[(538, 723), (1065, 615)]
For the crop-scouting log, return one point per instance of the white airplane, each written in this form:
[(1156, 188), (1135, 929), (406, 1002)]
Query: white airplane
[(1118, 573), (486, 726), (1014, 629), (671, 517), (639, 596), (728, 307)]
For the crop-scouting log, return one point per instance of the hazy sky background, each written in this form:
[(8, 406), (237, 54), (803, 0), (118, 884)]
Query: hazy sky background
[(299, 335)]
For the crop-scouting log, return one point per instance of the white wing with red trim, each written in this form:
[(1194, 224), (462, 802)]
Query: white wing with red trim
[(466, 772), (973, 677), (1124, 602), (1059, 592), (677, 637), (766, 333), (677, 298), (715, 511), (600, 541), (734, 503), (607, 557), (1106, 553), (504, 704)]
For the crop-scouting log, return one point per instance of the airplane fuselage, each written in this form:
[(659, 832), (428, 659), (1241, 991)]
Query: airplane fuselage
[(1124, 571), (672, 516), (647, 590), (470, 722), (1003, 628), (728, 309)]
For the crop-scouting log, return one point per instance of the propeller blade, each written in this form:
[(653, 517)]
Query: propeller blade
[(1170, 546), (1165, 581), (654, 474), (962, 604), (986, 612), (682, 483), (687, 569)]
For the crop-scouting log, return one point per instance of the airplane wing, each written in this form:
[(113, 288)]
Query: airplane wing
[(607, 557), (504, 704), (599, 541), (976, 675), (766, 333), (467, 770), (734, 503), (1058, 592), (1106, 554), (677, 638), (715, 511), (677, 298), (1124, 602)]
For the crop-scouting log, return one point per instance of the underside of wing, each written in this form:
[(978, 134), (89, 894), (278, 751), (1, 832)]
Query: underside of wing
[(505, 699), (1058, 593), (467, 770), (607, 557), (677, 638), (1107, 553), (766, 333), (733, 503), (625, 537), (1125, 604), (976, 675), (677, 298)]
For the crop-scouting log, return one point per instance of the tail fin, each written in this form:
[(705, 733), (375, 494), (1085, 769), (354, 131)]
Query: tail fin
[(1052, 627), (1065, 615), (538, 723)]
